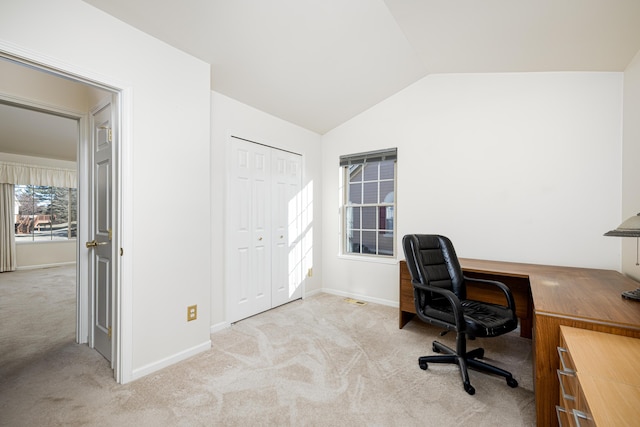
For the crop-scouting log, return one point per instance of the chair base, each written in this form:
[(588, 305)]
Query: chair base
[(468, 360)]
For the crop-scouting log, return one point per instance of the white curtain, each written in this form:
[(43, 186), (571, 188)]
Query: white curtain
[(7, 224), (18, 173)]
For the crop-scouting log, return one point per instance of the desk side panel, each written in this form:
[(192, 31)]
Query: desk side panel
[(407, 305), (546, 359)]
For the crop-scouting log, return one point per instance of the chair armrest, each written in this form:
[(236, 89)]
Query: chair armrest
[(451, 297), (511, 303)]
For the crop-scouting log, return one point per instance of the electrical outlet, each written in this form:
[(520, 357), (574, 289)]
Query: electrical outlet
[(192, 313), (310, 272)]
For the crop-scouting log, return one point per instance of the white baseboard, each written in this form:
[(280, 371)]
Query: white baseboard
[(219, 327), (381, 301), (312, 293), (35, 267), (224, 325), (168, 361)]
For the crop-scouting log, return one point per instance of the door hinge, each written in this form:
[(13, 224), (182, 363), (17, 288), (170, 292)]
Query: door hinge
[(109, 332), (109, 133), (110, 234)]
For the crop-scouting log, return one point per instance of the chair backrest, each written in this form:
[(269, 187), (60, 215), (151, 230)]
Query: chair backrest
[(432, 260)]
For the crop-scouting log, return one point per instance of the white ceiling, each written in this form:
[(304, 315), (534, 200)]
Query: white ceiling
[(27, 126), (34, 133), (318, 63)]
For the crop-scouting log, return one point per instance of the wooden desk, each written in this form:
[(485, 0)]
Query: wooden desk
[(601, 377), (578, 297), (518, 284)]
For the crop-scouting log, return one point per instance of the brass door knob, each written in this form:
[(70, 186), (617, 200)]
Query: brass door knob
[(94, 243)]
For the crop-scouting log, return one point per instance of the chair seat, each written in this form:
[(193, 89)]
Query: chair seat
[(482, 319)]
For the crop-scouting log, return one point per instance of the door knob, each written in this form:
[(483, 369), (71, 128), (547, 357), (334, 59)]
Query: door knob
[(93, 243)]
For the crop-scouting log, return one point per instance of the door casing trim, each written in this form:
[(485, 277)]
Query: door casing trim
[(122, 327)]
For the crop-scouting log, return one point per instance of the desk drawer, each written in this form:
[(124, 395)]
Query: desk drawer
[(599, 379), (573, 409)]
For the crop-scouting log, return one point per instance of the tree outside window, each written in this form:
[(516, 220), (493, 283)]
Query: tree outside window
[(45, 213)]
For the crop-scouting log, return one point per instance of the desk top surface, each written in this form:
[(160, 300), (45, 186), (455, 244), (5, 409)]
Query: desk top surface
[(581, 293)]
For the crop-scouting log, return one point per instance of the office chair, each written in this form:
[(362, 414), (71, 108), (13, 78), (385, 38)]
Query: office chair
[(440, 295)]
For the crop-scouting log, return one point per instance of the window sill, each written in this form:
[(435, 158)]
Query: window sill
[(365, 258), (30, 242)]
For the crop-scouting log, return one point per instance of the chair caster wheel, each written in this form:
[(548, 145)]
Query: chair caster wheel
[(423, 365), (435, 349), (469, 389), (511, 382)]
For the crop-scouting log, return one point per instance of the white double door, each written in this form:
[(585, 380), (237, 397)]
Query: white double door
[(263, 257)]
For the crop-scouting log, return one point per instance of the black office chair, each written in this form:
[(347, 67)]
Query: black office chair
[(441, 299)]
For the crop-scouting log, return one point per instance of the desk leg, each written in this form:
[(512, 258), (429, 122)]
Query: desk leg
[(404, 318), (526, 326)]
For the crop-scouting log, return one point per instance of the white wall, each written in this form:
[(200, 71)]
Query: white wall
[(166, 150), (517, 167), (45, 254), (630, 159), (230, 117)]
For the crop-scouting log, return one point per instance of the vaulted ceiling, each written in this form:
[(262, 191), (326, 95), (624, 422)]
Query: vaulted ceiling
[(318, 63)]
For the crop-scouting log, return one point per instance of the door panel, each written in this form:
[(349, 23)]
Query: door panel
[(280, 276), (286, 205), (102, 200), (101, 247), (103, 306), (242, 275), (248, 266), (261, 241), (280, 248)]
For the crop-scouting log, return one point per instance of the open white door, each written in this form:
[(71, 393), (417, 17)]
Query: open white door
[(101, 268)]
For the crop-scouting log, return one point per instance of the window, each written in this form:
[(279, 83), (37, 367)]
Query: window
[(45, 213), (369, 203)]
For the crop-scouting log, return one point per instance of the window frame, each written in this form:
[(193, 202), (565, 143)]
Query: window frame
[(346, 167), (72, 217)]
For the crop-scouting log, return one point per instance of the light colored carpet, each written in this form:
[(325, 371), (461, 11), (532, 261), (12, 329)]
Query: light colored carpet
[(37, 316), (315, 362)]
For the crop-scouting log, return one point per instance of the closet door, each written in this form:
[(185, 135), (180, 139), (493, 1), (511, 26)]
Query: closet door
[(249, 243), (286, 283)]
